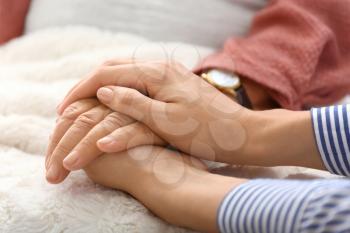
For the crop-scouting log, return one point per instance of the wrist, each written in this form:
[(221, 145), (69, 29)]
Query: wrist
[(258, 96), (192, 203), (283, 138)]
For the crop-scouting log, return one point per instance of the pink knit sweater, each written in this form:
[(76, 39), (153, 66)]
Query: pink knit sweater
[(298, 50), (12, 16)]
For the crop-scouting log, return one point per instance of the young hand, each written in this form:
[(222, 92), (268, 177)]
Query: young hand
[(174, 186)]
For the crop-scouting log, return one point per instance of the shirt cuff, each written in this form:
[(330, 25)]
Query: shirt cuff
[(331, 128)]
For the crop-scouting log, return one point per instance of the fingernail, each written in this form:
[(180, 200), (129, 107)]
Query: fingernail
[(53, 174), (105, 94), (106, 140), (71, 160)]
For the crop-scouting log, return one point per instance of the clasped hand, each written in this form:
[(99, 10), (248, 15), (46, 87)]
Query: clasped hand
[(126, 104), (119, 123)]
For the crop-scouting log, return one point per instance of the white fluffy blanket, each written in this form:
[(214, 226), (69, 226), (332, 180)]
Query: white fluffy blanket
[(35, 73)]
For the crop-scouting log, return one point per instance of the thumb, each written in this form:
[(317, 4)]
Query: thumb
[(129, 102)]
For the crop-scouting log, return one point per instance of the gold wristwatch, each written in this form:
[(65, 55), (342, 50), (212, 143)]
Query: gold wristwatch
[(228, 83)]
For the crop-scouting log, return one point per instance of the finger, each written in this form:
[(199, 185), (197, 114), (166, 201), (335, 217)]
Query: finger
[(127, 137), (70, 91), (112, 62), (117, 62), (130, 102), (88, 83), (81, 126), (87, 150), (65, 121)]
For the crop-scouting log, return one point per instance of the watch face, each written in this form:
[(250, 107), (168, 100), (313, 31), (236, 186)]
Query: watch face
[(224, 79)]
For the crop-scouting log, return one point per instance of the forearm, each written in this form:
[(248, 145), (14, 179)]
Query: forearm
[(277, 138), (318, 139), (284, 138), (191, 203), (175, 187)]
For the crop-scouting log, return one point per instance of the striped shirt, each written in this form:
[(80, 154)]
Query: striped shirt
[(276, 206)]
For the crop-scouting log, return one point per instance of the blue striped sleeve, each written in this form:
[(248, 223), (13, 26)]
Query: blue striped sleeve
[(263, 206), (328, 209), (266, 205), (331, 128)]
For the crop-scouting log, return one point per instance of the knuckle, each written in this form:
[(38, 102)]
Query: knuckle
[(60, 150), (87, 143), (129, 96), (115, 120), (108, 126), (163, 65), (160, 70), (54, 142), (71, 113), (177, 64), (98, 72), (85, 121)]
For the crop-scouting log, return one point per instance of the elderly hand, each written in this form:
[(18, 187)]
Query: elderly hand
[(176, 104), (73, 143)]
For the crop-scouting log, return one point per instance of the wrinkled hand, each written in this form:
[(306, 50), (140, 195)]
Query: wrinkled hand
[(75, 140), (176, 104)]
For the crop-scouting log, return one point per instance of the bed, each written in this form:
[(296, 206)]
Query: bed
[(35, 72)]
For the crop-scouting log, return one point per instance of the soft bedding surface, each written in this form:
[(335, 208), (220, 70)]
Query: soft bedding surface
[(205, 22), (35, 73)]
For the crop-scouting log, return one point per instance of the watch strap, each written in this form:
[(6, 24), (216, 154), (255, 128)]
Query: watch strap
[(242, 98)]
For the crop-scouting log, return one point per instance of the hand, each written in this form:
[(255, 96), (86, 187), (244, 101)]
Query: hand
[(181, 108), (197, 119), (73, 144), (166, 182)]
